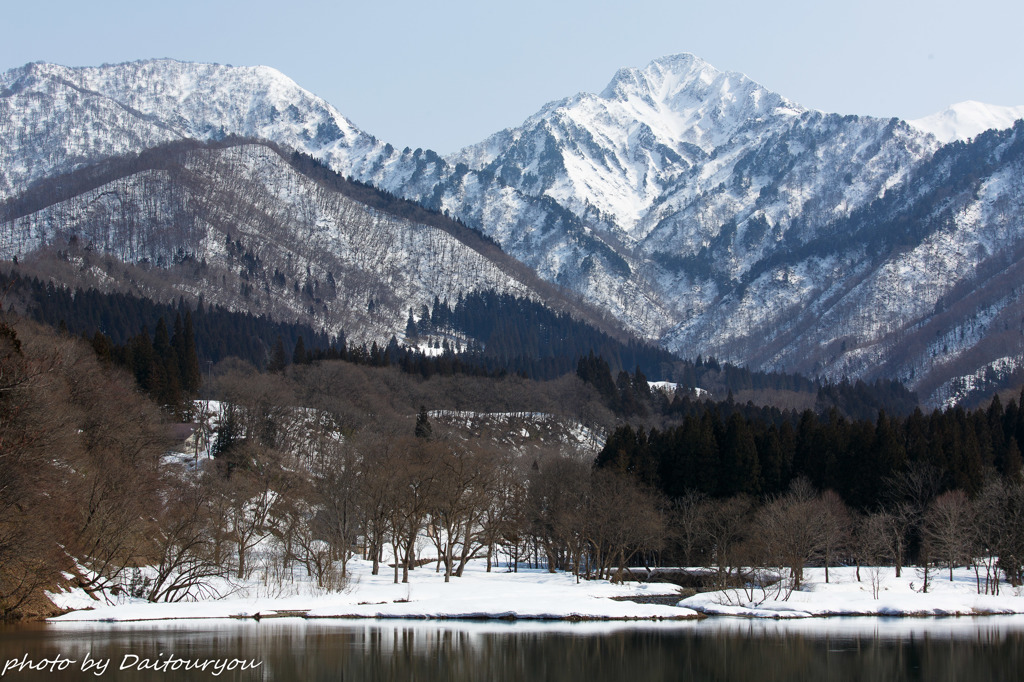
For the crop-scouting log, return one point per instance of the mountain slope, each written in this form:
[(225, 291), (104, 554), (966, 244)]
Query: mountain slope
[(239, 225), (615, 154), (920, 285), (54, 119)]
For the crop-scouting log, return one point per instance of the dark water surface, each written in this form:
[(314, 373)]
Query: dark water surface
[(988, 648)]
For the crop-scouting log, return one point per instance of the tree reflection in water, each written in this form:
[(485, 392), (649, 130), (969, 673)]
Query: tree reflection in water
[(716, 649)]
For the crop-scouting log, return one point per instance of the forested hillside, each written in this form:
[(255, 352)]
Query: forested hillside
[(481, 332)]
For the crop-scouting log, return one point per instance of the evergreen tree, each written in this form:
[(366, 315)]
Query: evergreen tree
[(423, 427), (192, 378), (278, 359), (740, 469), (411, 331), (178, 343), (593, 369), (423, 326), (772, 462), (299, 356), (166, 385), (626, 402), (141, 360), (102, 346), (228, 436), (1012, 462), (706, 455)]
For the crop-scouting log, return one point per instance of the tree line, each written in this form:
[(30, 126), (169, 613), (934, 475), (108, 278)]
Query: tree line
[(751, 489), (631, 396), (167, 368), (762, 545), (723, 449), (481, 332), (526, 336), (218, 332)]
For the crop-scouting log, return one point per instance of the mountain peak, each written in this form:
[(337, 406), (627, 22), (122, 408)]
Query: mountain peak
[(664, 76), (685, 82), (965, 120), (150, 102)]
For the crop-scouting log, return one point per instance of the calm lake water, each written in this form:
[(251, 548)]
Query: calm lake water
[(989, 648)]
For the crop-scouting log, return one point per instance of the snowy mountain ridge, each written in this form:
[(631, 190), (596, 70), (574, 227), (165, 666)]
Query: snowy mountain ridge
[(622, 149), (55, 118)]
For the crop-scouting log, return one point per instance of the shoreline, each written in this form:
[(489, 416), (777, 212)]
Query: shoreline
[(512, 618), (537, 595)]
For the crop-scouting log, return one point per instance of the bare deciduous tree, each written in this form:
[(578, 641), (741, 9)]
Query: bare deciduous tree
[(948, 527), (185, 558), (557, 498), (686, 523), (873, 546), (792, 529), (836, 527), (728, 527), (624, 521)]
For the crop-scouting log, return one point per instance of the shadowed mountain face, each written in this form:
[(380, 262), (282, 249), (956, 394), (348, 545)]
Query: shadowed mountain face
[(696, 207)]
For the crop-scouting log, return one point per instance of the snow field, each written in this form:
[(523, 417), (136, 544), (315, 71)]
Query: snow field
[(844, 595), (535, 594), (532, 594)]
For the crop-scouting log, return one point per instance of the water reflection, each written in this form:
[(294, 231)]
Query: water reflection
[(716, 649)]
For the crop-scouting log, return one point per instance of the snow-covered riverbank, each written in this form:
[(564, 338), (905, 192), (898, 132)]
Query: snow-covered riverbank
[(844, 595), (528, 594), (539, 595)]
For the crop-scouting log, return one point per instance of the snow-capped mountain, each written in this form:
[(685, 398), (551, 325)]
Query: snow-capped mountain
[(695, 174), (54, 118), (694, 205), (965, 120), (616, 155)]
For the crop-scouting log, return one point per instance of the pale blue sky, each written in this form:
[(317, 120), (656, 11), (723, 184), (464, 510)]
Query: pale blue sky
[(442, 75)]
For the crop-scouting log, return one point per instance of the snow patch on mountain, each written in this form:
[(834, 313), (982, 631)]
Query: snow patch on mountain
[(954, 389), (965, 120)]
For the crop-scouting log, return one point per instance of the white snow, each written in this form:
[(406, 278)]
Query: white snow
[(965, 120), (535, 594), (528, 594), (844, 595), (667, 387), (509, 428)]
